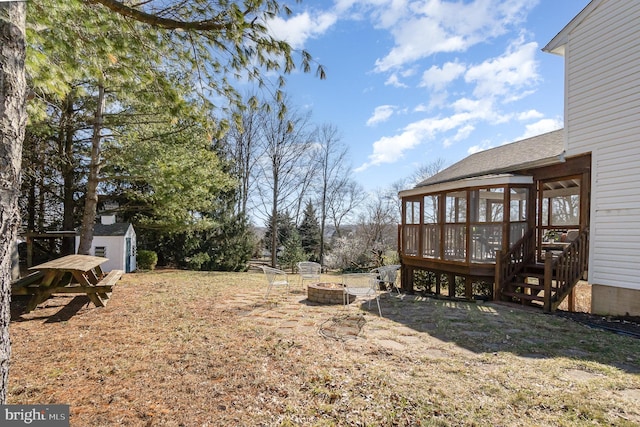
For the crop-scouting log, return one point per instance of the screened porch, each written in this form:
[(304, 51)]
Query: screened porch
[(467, 225), (459, 228)]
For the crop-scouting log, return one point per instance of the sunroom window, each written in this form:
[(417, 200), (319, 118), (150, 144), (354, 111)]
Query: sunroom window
[(517, 214), (455, 229), (412, 227), (431, 229), (486, 215)]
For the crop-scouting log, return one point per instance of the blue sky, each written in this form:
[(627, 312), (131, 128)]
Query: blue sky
[(412, 81)]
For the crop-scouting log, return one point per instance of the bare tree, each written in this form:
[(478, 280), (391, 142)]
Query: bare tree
[(334, 173), (283, 169), (423, 172), (378, 223), (427, 170), (343, 200), (243, 140)]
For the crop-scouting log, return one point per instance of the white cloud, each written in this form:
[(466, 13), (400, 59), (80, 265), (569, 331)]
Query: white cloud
[(496, 80), (506, 75), (534, 129), (464, 132), (484, 145), (466, 104), (437, 78), (424, 27), (420, 108), (529, 115), (299, 28), (394, 81), (391, 149), (381, 114), (541, 126)]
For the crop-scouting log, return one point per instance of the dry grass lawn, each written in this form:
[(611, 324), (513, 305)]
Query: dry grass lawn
[(205, 349)]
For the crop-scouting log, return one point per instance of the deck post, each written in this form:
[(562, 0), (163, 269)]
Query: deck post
[(451, 279), (497, 281), (406, 278), (548, 277), (468, 288)]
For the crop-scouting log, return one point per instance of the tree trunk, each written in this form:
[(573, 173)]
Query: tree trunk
[(274, 223), (68, 169), (91, 198), (13, 120)]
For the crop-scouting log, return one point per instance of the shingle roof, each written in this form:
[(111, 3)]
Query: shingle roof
[(504, 159), (117, 229)]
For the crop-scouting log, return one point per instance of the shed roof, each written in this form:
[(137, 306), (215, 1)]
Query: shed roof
[(116, 229), (531, 152)]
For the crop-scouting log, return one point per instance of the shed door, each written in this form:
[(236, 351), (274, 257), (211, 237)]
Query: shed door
[(127, 257)]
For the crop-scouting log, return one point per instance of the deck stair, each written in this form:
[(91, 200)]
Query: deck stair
[(527, 286), (519, 278)]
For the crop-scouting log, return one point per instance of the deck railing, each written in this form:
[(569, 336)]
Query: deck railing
[(513, 261), (563, 271)]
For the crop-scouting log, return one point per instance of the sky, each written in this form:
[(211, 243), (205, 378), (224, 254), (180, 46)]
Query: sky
[(410, 82)]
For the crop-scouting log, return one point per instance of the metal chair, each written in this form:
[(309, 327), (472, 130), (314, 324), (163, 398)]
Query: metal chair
[(275, 277), (309, 271), (361, 285), (387, 274)]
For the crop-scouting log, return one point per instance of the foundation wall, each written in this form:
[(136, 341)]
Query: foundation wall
[(609, 300)]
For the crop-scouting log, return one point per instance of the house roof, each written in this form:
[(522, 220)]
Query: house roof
[(531, 152), (557, 44), (116, 229)]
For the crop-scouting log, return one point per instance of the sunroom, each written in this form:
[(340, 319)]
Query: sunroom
[(524, 197)]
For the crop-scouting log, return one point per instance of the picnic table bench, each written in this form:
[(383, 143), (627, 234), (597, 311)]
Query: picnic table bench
[(71, 274)]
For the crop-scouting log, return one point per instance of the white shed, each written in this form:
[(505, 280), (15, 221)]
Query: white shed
[(116, 241)]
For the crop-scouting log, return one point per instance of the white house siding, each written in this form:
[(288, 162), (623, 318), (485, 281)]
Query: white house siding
[(602, 60)]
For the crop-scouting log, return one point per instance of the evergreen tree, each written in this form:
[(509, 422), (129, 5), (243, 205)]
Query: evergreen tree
[(309, 231), (292, 252), (230, 243), (284, 228), (225, 244)]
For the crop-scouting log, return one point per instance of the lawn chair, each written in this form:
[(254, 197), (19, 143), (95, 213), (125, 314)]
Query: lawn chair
[(361, 285), (387, 274), (275, 277), (309, 271)]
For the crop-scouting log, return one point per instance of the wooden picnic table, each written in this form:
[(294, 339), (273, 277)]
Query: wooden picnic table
[(80, 274)]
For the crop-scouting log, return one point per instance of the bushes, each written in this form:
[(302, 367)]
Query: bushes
[(197, 261), (147, 260)]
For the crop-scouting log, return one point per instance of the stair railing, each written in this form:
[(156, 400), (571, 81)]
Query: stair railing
[(562, 272), (511, 262)]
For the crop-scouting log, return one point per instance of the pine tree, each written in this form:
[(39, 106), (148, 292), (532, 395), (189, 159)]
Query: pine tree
[(285, 227), (309, 231), (292, 252), (228, 245)]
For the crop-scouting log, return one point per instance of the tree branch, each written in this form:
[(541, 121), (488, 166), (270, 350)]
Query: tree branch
[(156, 21)]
